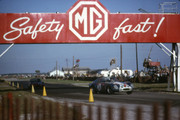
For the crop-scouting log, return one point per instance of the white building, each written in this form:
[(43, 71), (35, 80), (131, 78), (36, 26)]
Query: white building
[(125, 72), (80, 70), (58, 72), (104, 73), (116, 72)]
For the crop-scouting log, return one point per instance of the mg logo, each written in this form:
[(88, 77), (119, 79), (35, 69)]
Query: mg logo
[(88, 20)]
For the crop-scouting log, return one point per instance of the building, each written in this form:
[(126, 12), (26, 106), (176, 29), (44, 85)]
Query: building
[(104, 73), (80, 71), (57, 73), (116, 72)]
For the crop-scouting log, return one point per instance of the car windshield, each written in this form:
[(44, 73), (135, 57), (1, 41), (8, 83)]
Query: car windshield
[(35, 80), (38, 80), (114, 80), (105, 79)]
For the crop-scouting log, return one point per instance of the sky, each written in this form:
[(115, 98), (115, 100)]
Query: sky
[(26, 58)]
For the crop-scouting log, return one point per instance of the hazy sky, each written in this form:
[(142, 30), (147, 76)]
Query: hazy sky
[(26, 58)]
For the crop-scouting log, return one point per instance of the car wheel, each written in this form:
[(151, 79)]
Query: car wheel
[(98, 87), (109, 90), (94, 91), (129, 92)]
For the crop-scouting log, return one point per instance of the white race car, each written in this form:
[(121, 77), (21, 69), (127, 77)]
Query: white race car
[(110, 86)]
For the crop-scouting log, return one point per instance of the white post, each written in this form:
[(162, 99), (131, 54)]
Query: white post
[(174, 71), (178, 68)]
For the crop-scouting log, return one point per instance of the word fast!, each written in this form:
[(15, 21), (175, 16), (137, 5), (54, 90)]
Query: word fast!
[(22, 28), (142, 27), (83, 18)]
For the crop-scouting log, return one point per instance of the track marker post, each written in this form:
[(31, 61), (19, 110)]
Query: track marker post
[(44, 91), (17, 85), (91, 98), (33, 91)]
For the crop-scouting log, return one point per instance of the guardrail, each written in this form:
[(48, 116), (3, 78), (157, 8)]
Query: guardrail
[(40, 109)]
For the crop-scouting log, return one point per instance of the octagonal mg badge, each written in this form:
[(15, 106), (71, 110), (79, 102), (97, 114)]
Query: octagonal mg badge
[(88, 20)]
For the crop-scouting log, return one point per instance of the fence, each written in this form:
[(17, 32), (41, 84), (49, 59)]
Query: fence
[(41, 109)]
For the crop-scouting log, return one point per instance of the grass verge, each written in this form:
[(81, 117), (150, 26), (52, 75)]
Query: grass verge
[(152, 86), (138, 86), (59, 81)]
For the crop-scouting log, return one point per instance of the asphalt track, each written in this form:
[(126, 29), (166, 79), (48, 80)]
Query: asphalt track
[(137, 97), (71, 93)]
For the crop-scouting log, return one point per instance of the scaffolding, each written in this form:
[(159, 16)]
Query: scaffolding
[(168, 7), (172, 8)]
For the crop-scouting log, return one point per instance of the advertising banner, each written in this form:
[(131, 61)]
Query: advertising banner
[(88, 22)]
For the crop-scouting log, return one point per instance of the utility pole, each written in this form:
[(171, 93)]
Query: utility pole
[(67, 65), (56, 69), (59, 69), (73, 67), (137, 60), (121, 59)]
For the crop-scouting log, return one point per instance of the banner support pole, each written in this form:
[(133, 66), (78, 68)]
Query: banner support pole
[(6, 50)]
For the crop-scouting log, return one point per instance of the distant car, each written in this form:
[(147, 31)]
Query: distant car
[(110, 86), (36, 82)]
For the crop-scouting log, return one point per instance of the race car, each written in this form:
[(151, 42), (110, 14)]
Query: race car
[(110, 86), (37, 82)]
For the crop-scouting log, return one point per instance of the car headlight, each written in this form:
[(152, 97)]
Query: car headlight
[(116, 86)]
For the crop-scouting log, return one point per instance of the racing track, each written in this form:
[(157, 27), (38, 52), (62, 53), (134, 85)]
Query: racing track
[(71, 93), (82, 93)]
